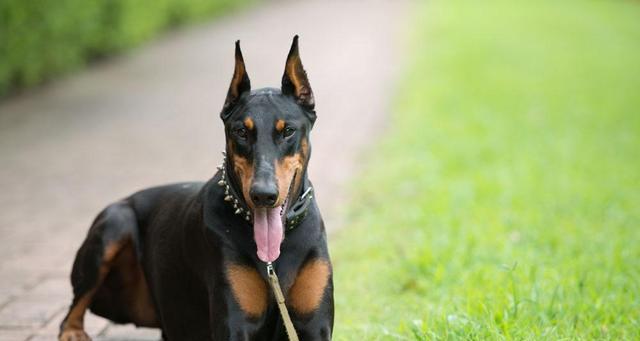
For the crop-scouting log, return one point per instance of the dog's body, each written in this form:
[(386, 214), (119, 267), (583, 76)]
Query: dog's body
[(185, 258)]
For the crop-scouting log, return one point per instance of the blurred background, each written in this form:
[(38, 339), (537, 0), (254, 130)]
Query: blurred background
[(477, 163)]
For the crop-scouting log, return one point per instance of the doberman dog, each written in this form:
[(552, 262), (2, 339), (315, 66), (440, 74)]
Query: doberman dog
[(191, 258)]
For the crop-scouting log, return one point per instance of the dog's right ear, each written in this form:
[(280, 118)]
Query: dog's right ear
[(295, 81), (239, 84)]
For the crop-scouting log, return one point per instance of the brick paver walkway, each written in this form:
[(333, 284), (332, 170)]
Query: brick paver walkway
[(151, 117)]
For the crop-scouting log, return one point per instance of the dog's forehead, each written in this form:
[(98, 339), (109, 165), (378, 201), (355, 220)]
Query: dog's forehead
[(269, 104), (262, 104)]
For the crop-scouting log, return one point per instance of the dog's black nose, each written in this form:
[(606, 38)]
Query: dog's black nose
[(264, 194)]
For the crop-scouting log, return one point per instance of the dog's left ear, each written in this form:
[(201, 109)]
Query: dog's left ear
[(239, 84), (294, 80)]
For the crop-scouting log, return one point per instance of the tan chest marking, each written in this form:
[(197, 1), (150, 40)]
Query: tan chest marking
[(249, 289), (307, 290)]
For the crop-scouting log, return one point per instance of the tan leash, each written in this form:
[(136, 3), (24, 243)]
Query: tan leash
[(277, 291)]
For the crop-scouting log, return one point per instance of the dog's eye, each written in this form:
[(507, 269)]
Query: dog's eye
[(241, 133), (289, 131)]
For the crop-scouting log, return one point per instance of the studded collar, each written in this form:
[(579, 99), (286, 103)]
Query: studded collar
[(294, 215)]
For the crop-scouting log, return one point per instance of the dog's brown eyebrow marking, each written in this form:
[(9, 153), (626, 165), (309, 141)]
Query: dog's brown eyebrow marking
[(249, 289), (248, 122), (308, 289), (280, 125)]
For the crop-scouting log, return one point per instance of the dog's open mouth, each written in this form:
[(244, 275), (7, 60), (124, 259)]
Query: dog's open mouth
[(268, 228)]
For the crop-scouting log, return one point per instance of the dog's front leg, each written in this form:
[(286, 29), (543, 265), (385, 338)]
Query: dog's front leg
[(311, 301), (238, 307)]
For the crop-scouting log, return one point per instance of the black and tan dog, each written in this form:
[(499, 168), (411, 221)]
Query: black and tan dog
[(190, 258)]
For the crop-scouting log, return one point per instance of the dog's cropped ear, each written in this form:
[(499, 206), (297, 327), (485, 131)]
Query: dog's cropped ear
[(294, 80), (239, 84)]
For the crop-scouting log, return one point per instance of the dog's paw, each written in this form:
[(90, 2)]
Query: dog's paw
[(74, 335)]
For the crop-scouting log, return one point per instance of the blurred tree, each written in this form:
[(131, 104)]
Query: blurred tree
[(42, 39)]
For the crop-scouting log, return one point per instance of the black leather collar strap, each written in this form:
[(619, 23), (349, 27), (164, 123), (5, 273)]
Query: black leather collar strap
[(298, 210)]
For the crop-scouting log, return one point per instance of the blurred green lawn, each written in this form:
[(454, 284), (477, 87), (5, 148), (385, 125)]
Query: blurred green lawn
[(504, 202)]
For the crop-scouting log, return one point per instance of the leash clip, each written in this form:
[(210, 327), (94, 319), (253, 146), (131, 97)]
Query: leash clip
[(270, 271), (284, 313)]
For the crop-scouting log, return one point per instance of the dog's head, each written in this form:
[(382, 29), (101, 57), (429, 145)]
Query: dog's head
[(268, 148)]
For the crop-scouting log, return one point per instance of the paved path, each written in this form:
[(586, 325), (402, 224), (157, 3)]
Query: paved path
[(151, 117)]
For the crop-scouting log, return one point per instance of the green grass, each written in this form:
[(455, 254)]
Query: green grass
[(504, 202)]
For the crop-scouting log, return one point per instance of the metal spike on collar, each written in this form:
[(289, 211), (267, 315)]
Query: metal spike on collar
[(228, 196)]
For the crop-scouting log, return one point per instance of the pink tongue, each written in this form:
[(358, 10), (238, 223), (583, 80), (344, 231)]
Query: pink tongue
[(267, 232)]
